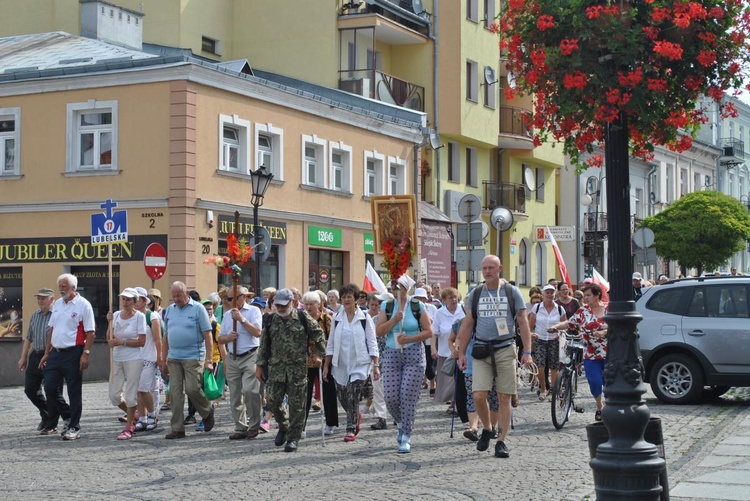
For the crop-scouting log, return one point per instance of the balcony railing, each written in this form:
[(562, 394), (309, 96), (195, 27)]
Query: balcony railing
[(383, 87), (593, 221), (515, 121), (734, 152), (510, 195)]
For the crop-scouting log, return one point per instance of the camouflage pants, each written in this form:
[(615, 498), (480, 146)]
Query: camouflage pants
[(296, 390)]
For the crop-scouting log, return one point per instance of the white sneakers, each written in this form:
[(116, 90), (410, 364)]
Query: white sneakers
[(329, 431), (71, 434)]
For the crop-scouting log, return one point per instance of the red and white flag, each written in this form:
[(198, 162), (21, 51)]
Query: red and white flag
[(560, 261), (373, 282), (599, 280)]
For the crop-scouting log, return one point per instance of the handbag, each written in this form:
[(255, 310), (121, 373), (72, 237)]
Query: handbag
[(210, 387), (449, 366), (481, 351)]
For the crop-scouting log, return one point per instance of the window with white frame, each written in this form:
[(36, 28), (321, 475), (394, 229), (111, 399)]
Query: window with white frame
[(490, 94), (92, 136), (472, 81), (670, 183), (471, 166), (472, 10), (10, 141), (489, 13), (523, 262), (396, 176), (697, 185), (683, 182), (341, 167), (374, 163), (269, 141), (313, 161), (234, 144), (454, 162), (638, 203), (540, 267), (540, 179)]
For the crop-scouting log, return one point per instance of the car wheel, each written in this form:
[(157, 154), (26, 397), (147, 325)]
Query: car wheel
[(677, 379), (712, 392)]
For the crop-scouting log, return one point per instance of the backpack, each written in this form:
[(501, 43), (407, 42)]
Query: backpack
[(477, 294), (560, 309), (363, 321), (391, 305), (148, 318)]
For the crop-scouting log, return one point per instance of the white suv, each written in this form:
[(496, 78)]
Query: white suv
[(695, 337)]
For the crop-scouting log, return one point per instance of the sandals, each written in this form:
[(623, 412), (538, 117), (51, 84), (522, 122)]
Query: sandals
[(432, 392), (598, 416), (151, 425), (140, 426), (126, 434)]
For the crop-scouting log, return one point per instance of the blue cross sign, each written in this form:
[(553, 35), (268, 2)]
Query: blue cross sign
[(109, 226)]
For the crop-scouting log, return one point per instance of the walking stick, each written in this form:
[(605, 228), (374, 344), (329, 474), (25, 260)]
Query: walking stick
[(455, 378), (322, 407)]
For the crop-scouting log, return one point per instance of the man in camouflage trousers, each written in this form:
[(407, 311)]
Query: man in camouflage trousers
[(283, 352)]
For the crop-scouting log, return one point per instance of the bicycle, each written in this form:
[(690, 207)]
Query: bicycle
[(566, 385)]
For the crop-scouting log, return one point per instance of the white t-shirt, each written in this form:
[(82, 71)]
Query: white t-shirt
[(128, 329), (149, 349)]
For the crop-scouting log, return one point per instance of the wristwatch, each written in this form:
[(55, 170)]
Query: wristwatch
[(87, 352)]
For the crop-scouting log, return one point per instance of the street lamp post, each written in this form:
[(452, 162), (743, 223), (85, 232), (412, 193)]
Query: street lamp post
[(260, 178), (625, 467)]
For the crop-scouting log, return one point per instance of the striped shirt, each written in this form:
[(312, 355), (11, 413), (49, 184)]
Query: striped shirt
[(38, 328)]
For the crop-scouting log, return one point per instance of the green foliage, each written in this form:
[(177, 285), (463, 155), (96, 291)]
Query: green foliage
[(701, 230)]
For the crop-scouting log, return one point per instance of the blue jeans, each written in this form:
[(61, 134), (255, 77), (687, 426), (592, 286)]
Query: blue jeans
[(65, 366)]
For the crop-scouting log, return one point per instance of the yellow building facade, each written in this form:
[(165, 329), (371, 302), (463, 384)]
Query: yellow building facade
[(443, 61), (173, 140)]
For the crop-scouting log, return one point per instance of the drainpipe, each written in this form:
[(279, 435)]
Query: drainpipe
[(435, 106)]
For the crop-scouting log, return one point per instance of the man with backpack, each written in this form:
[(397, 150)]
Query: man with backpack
[(495, 307), (283, 354)]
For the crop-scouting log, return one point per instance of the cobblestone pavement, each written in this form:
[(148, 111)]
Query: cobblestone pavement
[(545, 464)]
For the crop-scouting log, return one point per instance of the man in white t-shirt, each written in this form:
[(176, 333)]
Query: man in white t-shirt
[(69, 343), (244, 387)]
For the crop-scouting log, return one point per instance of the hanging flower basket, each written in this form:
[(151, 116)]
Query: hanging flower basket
[(587, 61)]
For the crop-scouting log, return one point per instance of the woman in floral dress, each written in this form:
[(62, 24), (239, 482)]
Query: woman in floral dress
[(589, 320)]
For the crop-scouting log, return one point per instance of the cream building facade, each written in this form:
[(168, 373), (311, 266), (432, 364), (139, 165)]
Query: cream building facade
[(172, 139)]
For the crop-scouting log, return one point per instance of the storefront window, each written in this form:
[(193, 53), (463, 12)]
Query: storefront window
[(93, 284), (11, 303), (326, 270), (269, 271)]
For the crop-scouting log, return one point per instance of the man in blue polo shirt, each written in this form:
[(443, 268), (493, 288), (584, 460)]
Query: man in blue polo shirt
[(187, 350)]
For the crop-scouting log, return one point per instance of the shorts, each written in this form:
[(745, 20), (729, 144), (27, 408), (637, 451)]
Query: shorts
[(148, 377), (547, 353), (505, 362), (492, 399), (125, 379)]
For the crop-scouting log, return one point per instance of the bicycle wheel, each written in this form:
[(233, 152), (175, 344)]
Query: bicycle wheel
[(561, 399)]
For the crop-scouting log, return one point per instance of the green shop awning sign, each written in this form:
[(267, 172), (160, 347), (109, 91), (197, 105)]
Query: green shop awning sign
[(323, 236)]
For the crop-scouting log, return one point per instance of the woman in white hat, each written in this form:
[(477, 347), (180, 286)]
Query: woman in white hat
[(127, 337), (403, 361)]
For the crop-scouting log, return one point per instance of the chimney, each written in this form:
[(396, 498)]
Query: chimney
[(112, 24)]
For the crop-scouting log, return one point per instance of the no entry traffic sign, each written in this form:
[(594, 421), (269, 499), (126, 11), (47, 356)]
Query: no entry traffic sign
[(155, 261)]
